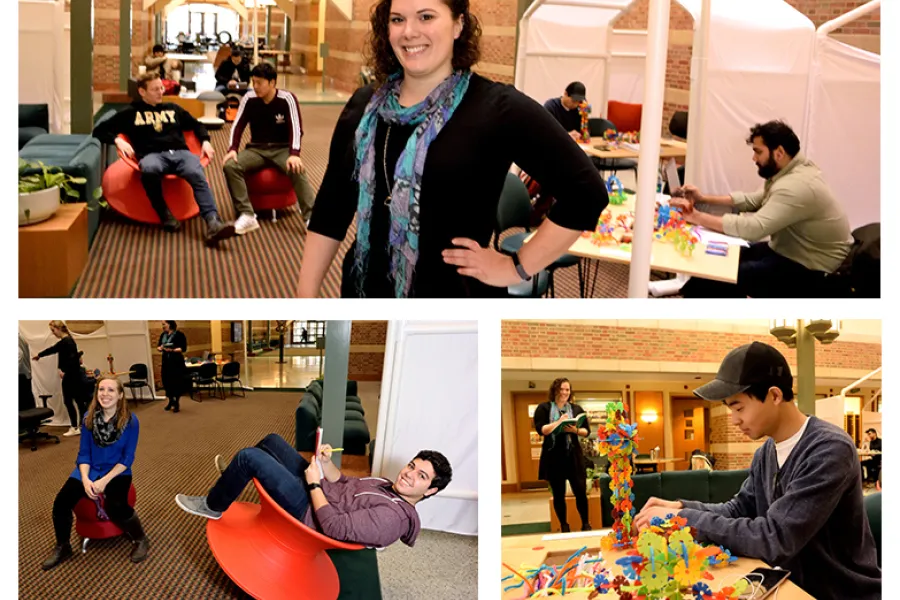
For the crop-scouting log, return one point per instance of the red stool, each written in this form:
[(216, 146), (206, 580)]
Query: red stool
[(270, 189), (271, 555), (88, 526), (124, 192)]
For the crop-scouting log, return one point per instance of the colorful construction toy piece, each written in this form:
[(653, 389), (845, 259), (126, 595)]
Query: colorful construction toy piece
[(584, 111), (579, 573), (618, 441), (668, 564), (671, 227), (616, 191)]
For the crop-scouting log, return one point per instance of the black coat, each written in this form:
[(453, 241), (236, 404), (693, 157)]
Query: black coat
[(173, 369), (556, 459)]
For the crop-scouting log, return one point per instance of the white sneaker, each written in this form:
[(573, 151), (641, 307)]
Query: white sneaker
[(246, 224), (72, 431)]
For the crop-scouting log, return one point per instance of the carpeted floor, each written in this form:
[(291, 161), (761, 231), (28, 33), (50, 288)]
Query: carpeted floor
[(452, 572), (175, 455), (130, 260)]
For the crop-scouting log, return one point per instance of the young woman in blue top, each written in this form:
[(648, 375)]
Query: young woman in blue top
[(103, 466)]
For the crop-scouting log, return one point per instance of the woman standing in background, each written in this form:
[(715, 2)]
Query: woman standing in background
[(69, 370), (172, 345), (561, 456)]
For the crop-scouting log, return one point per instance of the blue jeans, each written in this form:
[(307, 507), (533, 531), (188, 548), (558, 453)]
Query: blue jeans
[(184, 164), (277, 466)]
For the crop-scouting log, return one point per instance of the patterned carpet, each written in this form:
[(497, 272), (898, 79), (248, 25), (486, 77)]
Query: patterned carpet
[(175, 455), (129, 260)]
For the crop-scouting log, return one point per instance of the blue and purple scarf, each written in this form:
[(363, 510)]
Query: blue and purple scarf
[(429, 117)]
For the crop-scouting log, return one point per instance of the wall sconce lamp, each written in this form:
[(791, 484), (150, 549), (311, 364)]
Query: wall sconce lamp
[(784, 331), (649, 416), (825, 330)]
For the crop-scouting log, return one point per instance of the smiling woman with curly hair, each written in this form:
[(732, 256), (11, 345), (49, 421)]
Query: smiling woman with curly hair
[(420, 158)]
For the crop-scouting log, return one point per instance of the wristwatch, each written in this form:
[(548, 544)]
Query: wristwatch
[(519, 268), (314, 486)]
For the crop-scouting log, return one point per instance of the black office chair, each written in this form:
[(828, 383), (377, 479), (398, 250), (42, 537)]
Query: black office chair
[(30, 421), (231, 372), (514, 210), (207, 378), (597, 128), (859, 276), (138, 380), (872, 503)]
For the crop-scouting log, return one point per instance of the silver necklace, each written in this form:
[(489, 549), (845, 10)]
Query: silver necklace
[(387, 180)]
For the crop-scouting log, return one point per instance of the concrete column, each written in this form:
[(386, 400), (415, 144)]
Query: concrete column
[(334, 396), (124, 44), (806, 370), (268, 27), (287, 33), (81, 66)]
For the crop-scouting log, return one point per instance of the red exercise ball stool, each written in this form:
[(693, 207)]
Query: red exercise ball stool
[(270, 188), (89, 526), (124, 192), (271, 555)]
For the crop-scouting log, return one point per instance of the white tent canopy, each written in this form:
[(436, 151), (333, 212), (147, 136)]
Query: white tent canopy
[(562, 41)]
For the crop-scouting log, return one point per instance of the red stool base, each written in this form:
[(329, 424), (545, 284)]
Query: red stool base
[(124, 192), (254, 559), (270, 189)]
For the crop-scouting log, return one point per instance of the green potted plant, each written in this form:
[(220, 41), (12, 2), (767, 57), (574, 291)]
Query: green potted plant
[(40, 193)]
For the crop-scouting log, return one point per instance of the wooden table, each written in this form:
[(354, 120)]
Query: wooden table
[(667, 149), (53, 253), (534, 550), (663, 256)]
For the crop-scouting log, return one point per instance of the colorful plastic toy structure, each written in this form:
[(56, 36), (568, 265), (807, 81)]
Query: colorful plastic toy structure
[(617, 440), (578, 574), (671, 227), (668, 563), (584, 111), (616, 191)]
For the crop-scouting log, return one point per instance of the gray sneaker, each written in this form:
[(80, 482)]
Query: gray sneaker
[(196, 505)]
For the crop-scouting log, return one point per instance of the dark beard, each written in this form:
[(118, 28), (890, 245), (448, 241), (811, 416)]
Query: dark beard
[(768, 170)]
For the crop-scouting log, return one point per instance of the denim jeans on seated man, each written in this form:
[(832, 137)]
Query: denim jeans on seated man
[(184, 164), (277, 466)]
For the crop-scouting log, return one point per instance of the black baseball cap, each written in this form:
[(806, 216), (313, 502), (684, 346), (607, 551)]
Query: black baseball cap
[(576, 91), (745, 366)]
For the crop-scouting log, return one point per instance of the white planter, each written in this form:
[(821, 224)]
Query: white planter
[(38, 206)]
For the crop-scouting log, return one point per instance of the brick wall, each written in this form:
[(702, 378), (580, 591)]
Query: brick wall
[(368, 332), (367, 366), (534, 340)]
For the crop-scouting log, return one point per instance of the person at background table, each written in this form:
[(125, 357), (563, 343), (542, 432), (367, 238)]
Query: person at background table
[(561, 456), (801, 508), (172, 345), (232, 72), (102, 467), (69, 368), (873, 465), (276, 129), (157, 62), (421, 157), (370, 510), (807, 226), (155, 131), (565, 110), (26, 394)]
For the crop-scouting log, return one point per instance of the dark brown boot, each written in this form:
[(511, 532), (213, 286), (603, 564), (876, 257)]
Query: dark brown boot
[(60, 553), (132, 527)]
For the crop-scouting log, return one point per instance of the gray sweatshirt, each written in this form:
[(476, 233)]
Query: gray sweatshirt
[(797, 209), (364, 511), (808, 517)]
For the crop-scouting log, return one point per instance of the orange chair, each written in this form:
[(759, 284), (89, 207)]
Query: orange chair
[(625, 116), (270, 189), (124, 192), (90, 527), (271, 555)]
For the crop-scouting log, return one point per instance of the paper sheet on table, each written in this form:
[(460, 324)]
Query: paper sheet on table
[(707, 236)]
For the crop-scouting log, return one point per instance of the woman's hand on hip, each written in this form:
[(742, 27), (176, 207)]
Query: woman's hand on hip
[(484, 264)]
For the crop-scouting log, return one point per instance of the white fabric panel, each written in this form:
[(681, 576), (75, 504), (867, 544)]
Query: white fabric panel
[(845, 126), (430, 401), (547, 77), (41, 71), (626, 81), (127, 348), (757, 70), (831, 410)]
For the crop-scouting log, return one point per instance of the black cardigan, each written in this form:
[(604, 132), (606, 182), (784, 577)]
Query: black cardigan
[(494, 126), (67, 351), (554, 458), (173, 362)]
